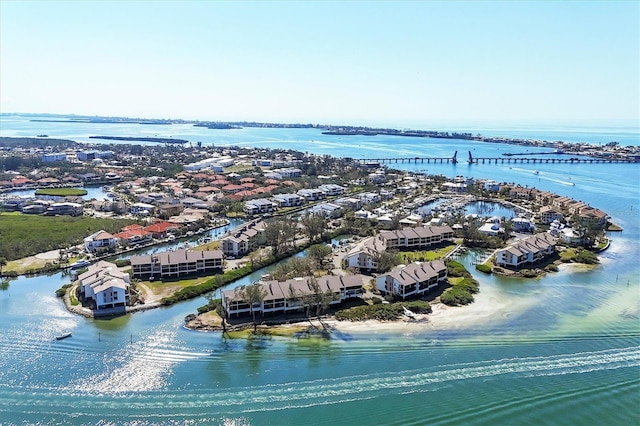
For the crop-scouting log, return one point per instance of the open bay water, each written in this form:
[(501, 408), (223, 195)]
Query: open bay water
[(559, 350)]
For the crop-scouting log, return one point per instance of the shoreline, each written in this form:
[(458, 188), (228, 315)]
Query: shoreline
[(490, 307)]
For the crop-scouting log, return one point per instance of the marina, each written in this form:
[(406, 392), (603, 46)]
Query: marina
[(523, 342)]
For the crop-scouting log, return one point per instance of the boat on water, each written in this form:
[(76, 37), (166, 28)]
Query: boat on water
[(536, 172), (80, 264), (63, 336)]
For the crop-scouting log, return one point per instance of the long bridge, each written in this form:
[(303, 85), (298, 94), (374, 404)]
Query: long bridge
[(494, 160)]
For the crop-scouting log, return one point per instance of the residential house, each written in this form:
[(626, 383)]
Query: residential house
[(548, 214), (592, 217), (314, 194), (291, 295), (54, 156), (328, 210), (413, 280), (65, 208), (349, 202), (331, 189), (100, 240), (175, 264), (520, 224), (242, 240), (104, 288), (418, 237), (526, 251), (161, 229), (288, 200), (259, 206), (364, 256)]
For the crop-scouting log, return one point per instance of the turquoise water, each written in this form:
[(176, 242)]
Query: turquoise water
[(559, 350)]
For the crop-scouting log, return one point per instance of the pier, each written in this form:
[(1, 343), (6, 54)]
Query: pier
[(495, 160)]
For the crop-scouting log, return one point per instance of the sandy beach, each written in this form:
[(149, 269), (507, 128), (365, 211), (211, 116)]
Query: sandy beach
[(490, 307)]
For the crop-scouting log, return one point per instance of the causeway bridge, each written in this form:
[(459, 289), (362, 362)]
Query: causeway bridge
[(494, 160)]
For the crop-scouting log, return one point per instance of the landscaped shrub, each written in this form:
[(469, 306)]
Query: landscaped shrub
[(552, 268), (585, 256), (62, 290), (456, 296), (484, 268), (456, 269), (382, 312)]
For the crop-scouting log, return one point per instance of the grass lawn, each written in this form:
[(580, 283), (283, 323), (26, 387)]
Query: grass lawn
[(567, 254), (160, 289), (425, 255), (62, 192), (23, 235), (213, 245)]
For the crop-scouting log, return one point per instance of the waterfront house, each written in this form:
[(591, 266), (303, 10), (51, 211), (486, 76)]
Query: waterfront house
[(593, 217), (293, 295), (413, 280), (415, 238), (134, 236), (364, 256), (288, 200), (328, 210), (548, 214), (349, 202), (314, 194), (177, 264), (259, 206), (161, 229), (526, 251), (242, 240), (520, 224), (100, 240), (105, 288), (331, 189), (65, 208)]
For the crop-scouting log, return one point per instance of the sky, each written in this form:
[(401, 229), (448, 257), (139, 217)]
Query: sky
[(359, 62)]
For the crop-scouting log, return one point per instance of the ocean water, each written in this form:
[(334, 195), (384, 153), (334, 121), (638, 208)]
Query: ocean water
[(559, 350)]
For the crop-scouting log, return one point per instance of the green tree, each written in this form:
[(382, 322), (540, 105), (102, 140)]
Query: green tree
[(313, 226), (3, 262), (253, 294), (318, 252), (387, 260), (278, 233)]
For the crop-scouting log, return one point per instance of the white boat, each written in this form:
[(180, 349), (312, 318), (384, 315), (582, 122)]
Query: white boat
[(80, 264), (536, 172), (408, 313)]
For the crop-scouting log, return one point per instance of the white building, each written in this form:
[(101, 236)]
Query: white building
[(413, 280), (258, 206), (314, 194), (242, 240), (288, 200), (290, 296), (105, 288), (177, 263), (526, 251), (331, 189), (99, 240)]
